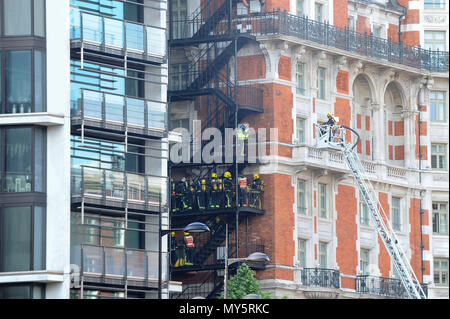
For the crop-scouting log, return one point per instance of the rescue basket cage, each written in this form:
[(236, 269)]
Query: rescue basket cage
[(330, 136)]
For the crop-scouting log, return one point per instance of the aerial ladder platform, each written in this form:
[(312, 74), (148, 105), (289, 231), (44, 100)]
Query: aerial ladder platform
[(334, 137)]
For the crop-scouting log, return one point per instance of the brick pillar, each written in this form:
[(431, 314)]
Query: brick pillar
[(410, 26)]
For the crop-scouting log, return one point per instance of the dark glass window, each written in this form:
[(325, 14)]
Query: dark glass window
[(17, 17), (23, 161), (20, 80), (23, 18), (22, 291), (22, 238)]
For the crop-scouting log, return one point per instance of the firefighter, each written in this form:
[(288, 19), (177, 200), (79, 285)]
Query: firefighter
[(190, 196), (189, 248), (257, 187), (200, 190), (220, 192), (174, 198), (182, 193), (243, 191), (331, 123), (213, 190), (242, 135), (228, 189)]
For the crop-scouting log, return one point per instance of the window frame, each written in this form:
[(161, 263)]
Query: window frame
[(438, 156), (301, 210), (364, 268), (440, 271), (435, 103), (321, 83), (34, 84), (439, 212), (33, 173), (32, 22), (433, 4), (32, 235), (31, 286), (302, 248), (323, 252), (433, 42), (300, 130), (300, 79), (322, 187), (297, 11), (396, 213), (364, 218)]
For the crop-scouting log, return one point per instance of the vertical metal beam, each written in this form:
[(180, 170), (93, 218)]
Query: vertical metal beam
[(235, 126)]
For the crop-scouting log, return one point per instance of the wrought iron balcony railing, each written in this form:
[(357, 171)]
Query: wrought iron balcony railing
[(391, 287), (111, 185), (321, 277), (281, 22), (119, 263), (117, 34), (120, 109)]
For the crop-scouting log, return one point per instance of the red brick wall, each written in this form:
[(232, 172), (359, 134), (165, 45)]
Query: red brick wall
[(340, 13), (414, 237), (411, 38), (277, 225), (358, 121), (347, 233), (342, 110), (368, 148), (399, 128), (251, 67), (390, 128), (284, 68), (393, 32), (384, 261), (363, 25), (275, 4), (342, 82), (399, 152), (367, 123)]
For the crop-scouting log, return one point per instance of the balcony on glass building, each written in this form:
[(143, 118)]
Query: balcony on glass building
[(119, 113), (118, 189), (116, 37)]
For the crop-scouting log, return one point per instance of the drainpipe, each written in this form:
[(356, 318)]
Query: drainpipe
[(419, 107)]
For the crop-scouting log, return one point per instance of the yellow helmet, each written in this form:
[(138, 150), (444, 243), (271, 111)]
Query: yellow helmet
[(213, 174), (186, 233), (172, 233), (227, 174), (217, 219), (203, 181), (256, 176), (329, 114)]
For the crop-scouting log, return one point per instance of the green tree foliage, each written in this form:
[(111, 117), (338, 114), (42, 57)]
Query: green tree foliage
[(244, 283)]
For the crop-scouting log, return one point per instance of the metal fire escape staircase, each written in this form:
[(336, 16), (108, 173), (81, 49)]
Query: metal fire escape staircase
[(335, 138)]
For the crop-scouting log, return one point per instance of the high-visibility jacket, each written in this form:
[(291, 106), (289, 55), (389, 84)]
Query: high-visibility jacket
[(242, 135), (242, 182), (189, 241)]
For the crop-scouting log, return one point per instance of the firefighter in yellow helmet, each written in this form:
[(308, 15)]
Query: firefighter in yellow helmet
[(213, 192), (257, 188), (242, 136), (331, 123), (173, 249), (228, 189), (189, 248)]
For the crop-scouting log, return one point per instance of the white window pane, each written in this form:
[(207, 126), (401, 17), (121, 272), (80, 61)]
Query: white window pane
[(18, 17)]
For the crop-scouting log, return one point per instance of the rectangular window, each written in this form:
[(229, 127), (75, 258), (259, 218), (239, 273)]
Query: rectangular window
[(364, 261), (435, 40), (23, 167), (396, 213), (178, 77), (437, 106), (441, 271), (302, 253), (300, 130), (39, 18), (22, 240), (323, 209), (377, 31), (300, 78), (363, 212), (351, 23), (434, 4), (323, 254), (300, 8), (255, 6), (440, 218), (18, 81), (439, 157), (301, 197), (18, 19), (318, 11), (321, 83), (179, 19), (22, 291)]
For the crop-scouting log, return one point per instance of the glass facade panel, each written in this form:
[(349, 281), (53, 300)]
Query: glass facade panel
[(18, 81), (16, 239), (114, 32), (39, 18), (18, 160), (39, 81), (135, 112), (135, 36), (18, 19)]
